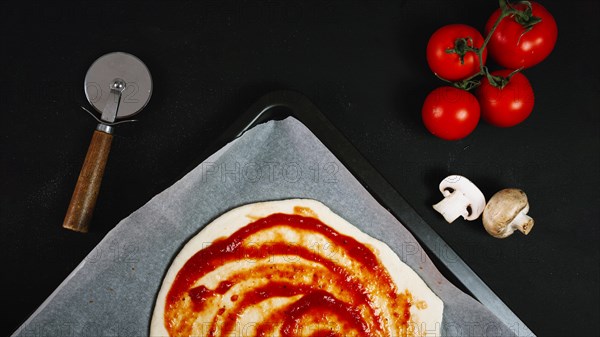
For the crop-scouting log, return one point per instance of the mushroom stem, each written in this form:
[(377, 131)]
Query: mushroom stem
[(453, 206), (522, 222)]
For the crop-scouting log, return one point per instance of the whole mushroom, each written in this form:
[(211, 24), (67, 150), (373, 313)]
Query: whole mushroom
[(461, 198), (507, 211)]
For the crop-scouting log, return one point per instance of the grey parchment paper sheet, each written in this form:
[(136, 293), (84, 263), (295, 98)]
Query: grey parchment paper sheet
[(112, 291)]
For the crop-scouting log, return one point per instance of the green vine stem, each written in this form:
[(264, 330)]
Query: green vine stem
[(461, 46)]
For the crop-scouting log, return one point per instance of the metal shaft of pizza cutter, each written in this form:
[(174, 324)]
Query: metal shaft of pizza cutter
[(83, 201)]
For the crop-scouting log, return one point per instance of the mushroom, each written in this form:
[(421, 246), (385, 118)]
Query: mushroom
[(507, 211), (461, 198)]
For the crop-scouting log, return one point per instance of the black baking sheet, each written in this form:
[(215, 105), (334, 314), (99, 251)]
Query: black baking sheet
[(113, 289)]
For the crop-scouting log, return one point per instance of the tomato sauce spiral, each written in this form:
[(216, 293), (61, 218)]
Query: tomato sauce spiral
[(269, 278)]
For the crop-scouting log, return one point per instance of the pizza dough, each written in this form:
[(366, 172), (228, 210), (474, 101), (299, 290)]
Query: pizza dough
[(291, 268)]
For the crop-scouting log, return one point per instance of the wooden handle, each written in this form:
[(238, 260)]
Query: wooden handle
[(84, 197)]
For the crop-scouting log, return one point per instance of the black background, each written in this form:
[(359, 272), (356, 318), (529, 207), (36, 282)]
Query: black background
[(363, 64)]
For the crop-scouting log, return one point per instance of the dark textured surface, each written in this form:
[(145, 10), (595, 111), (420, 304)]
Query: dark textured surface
[(362, 63)]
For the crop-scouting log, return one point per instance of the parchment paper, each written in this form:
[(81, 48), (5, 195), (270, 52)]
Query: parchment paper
[(112, 292)]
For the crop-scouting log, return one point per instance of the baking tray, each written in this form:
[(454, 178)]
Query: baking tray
[(125, 267), (278, 105)]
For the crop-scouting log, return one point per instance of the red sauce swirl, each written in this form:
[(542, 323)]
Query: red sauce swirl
[(317, 294)]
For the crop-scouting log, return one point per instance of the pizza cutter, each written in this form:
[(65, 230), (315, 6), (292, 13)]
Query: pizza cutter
[(117, 85)]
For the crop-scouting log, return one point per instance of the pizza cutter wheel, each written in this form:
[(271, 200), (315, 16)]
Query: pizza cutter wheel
[(117, 85)]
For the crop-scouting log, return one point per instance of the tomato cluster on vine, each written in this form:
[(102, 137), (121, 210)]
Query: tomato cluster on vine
[(518, 36)]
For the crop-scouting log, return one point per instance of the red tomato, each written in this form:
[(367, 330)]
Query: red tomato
[(513, 46), (450, 113), (448, 65), (508, 106)]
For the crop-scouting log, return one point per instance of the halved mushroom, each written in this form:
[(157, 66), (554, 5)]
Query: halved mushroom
[(461, 198), (507, 211)]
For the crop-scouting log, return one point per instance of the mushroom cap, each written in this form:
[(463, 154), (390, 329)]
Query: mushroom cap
[(502, 209)]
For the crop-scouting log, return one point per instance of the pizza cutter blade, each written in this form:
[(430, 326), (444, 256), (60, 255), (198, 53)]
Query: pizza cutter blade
[(117, 85)]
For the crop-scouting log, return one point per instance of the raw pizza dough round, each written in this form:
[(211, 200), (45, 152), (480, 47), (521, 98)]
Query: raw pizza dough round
[(247, 294)]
